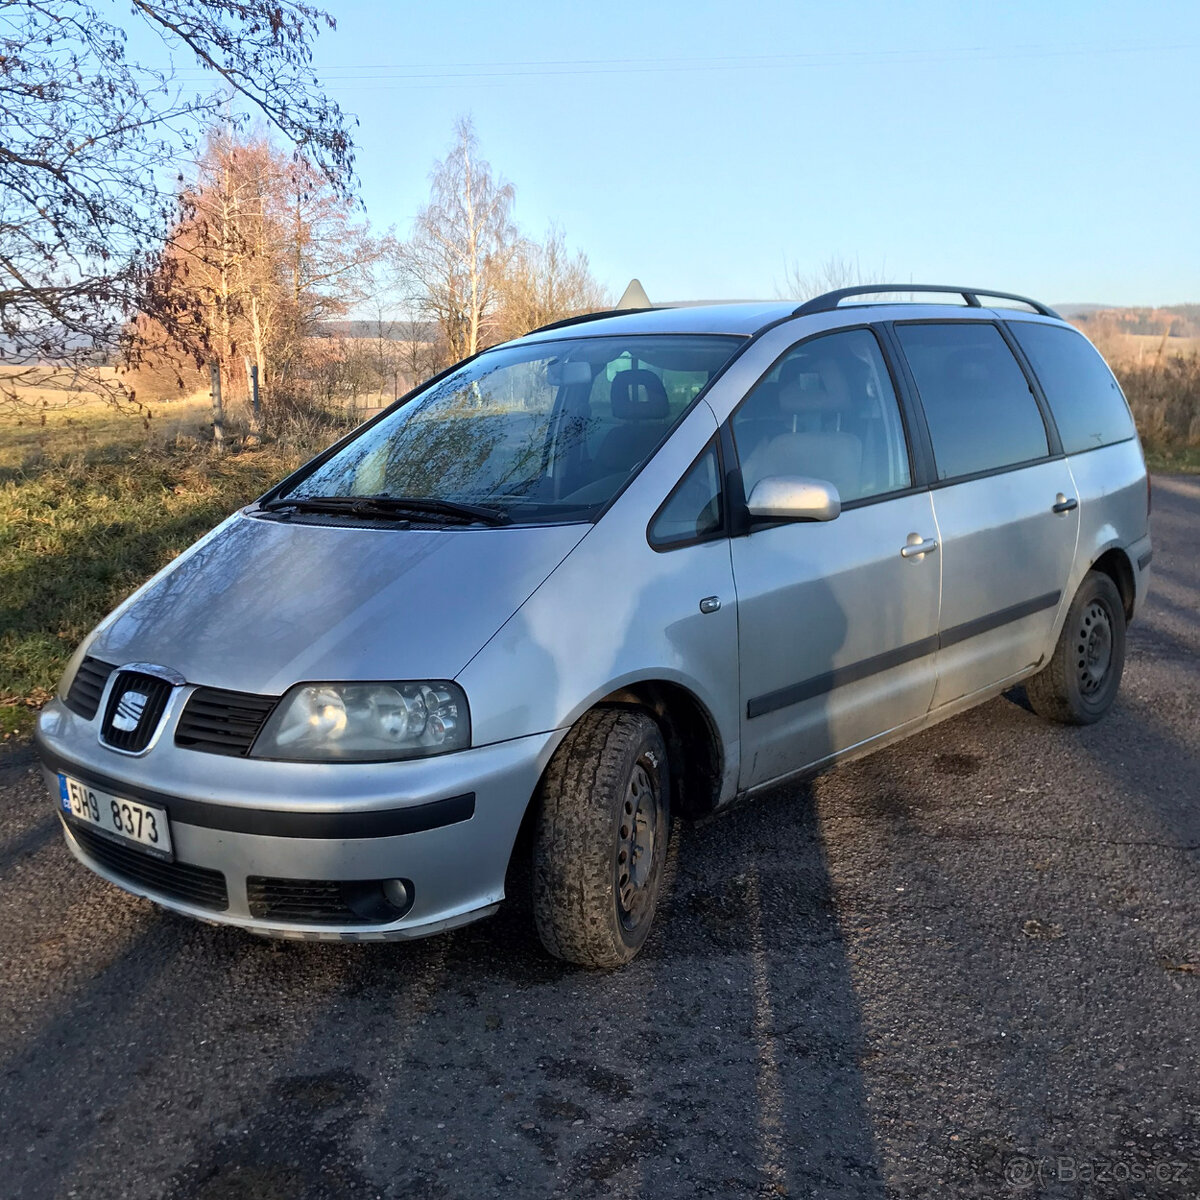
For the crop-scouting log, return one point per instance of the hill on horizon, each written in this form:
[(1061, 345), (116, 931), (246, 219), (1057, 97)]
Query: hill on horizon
[(1173, 320)]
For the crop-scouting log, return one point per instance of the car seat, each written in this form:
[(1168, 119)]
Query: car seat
[(639, 404), (815, 400)]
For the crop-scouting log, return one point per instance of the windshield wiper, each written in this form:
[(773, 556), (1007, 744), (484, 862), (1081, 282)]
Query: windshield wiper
[(395, 507)]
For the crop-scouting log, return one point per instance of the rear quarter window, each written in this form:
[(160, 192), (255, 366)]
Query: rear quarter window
[(1085, 399), (978, 406)]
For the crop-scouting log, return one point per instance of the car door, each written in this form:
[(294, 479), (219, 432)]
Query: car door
[(1004, 500), (837, 620)]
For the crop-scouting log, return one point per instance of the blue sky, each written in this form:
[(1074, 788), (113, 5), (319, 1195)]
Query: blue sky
[(1047, 148)]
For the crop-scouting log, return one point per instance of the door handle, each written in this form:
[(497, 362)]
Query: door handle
[(1063, 505), (917, 545)]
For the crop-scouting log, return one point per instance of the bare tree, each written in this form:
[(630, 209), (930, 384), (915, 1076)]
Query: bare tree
[(545, 282), (461, 245), (330, 255), (835, 272), (421, 354), (89, 136)]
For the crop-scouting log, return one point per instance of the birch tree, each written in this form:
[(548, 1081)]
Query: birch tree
[(462, 242)]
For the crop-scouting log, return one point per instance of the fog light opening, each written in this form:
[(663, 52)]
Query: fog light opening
[(397, 893), (380, 900)]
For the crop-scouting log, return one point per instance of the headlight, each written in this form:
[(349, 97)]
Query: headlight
[(365, 722)]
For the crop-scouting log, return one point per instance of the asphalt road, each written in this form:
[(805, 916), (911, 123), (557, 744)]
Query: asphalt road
[(969, 965)]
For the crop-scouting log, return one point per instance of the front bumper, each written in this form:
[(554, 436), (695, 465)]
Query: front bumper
[(446, 825)]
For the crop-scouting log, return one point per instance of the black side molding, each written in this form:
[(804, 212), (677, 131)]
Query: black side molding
[(341, 826), (1144, 560), (1004, 616), (818, 685), (797, 693)]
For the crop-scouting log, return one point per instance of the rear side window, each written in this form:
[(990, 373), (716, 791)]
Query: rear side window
[(1087, 404), (981, 413)]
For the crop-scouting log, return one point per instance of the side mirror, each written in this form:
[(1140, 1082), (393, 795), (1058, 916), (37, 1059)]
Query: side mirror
[(794, 498)]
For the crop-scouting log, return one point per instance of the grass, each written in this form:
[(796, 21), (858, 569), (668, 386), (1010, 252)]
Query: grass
[(96, 432), (1173, 460), (91, 504)]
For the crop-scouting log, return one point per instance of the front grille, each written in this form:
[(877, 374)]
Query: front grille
[(323, 901), (182, 881), (222, 722), (83, 696), (135, 707)]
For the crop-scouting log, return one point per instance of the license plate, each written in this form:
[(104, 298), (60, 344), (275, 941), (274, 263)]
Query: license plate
[(124, 820)]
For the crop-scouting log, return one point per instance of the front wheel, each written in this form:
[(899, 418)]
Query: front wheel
[(1079, 683), (601, 838)]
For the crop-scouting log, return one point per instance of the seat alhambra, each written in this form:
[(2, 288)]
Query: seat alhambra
[(629, 566)]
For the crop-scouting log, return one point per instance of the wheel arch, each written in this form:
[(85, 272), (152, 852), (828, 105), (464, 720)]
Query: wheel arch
[(695, 753), (694, 748), (1114, 563)]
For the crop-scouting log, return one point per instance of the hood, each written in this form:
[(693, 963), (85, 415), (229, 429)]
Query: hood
[(259, 605)]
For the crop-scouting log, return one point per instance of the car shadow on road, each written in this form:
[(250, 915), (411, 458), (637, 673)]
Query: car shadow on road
[(724, 1060)]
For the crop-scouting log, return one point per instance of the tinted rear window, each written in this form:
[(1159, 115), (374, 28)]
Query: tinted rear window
[(981, 414), (1087, 404)]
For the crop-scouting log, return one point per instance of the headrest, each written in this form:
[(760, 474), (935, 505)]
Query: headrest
[(807, 393), (794, 368), (638, 396), (812, 384)]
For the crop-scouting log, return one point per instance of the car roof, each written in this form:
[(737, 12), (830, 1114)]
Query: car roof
[(748, 317), (742, 318)]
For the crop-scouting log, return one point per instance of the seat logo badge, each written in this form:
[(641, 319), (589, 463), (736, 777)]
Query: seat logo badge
[(129, 711)]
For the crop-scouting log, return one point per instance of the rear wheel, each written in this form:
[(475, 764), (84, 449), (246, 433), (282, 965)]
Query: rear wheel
[(1080, 682), (601, 838)]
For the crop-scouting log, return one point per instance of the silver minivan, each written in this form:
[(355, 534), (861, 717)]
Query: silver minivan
[(630, 566)]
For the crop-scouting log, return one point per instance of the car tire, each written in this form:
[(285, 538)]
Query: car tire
[(1079, 683), (600, 840)]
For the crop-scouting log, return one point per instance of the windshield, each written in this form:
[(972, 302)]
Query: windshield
[(536, 433)]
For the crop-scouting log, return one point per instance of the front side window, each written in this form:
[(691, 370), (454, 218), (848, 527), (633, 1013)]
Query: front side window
[(1085, 399), (693, 510), (826, 410), (980, 411), (537, 433)]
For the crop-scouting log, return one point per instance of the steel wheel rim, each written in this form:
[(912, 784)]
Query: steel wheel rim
[(1094, 648), (637, 834)]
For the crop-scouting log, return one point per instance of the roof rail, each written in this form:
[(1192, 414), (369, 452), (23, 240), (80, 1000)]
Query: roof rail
[(831, 300)]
